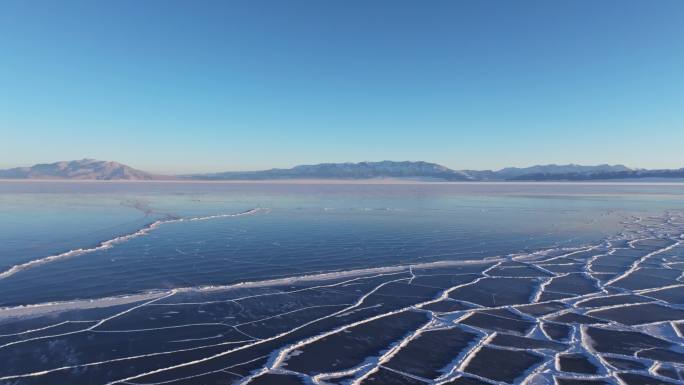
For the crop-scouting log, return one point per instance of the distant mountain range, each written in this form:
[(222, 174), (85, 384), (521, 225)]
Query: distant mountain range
[(434, 172), (363, 170), (90, 169), (83, 169)]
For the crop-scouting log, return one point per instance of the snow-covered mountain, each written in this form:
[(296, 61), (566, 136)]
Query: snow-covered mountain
[(362, 170), (555, 169), (78, 169), (86, 169)]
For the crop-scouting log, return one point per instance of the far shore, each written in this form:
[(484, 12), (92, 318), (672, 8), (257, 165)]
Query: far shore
[(373, 181)]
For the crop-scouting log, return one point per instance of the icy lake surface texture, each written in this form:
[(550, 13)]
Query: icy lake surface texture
[(257, 283)]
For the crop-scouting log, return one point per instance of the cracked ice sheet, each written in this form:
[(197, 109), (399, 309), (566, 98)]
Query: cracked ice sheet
[(605, 313)]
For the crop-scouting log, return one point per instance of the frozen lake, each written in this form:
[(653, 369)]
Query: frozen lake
[(276, 283)]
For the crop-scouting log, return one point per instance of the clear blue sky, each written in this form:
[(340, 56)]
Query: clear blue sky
[(190, 86)]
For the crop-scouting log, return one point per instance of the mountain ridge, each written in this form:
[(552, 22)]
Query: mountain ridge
[(91, 169), (361, 170), (82, 169)]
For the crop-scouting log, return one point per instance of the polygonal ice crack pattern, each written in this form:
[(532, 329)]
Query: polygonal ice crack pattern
[(607, 313)]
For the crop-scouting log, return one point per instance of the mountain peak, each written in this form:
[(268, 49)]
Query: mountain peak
[(82, 169)]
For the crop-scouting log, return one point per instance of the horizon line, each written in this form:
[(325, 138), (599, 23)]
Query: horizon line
[(180, 173)]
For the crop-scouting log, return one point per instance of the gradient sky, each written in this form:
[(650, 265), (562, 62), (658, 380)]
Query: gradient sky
[(185, 86)]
